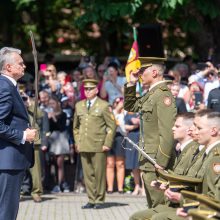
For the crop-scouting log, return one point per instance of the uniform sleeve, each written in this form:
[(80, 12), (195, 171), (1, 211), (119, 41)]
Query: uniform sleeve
[(211, 184), (76, 125), (110, 126), (131, 102), (166, 112)]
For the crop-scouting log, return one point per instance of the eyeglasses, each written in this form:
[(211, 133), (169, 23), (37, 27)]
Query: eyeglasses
[(89, 89)]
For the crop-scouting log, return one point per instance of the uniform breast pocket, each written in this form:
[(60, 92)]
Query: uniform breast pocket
[(96, 114), (147, 113)]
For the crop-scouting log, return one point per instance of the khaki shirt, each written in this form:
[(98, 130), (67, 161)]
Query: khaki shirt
[(159, 111), (93, 128)]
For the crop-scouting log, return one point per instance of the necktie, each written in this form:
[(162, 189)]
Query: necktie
[(89, 104), (204, 156), (195, 154)]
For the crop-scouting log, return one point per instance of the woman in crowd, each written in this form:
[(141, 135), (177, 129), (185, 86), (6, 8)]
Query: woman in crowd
[(116, 156), (59, 141), (113, 84), (132, 122)]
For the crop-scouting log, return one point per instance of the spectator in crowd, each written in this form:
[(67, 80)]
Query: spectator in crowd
[(50, 82), (112, 84), (77, 82), (100, 71), (116, 156), (132, 122), (59, 141), (193, 103), (88, 73), (212, 82), (178, 79), (180, 103), (66, 88), (44, 97), (214, 98)]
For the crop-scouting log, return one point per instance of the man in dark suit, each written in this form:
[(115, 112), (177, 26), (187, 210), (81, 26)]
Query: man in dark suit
[(16, 148)]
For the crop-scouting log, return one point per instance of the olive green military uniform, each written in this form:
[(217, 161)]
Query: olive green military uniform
[(159, 111), (201, 170), (93, 129), (182, 162), (180, 166), (37, 188), (207, 207)]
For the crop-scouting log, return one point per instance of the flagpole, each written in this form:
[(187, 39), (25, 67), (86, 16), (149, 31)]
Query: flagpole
[(134, 33), (135, 39)]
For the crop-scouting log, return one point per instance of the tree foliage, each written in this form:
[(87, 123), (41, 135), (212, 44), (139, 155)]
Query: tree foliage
[(105, 26)]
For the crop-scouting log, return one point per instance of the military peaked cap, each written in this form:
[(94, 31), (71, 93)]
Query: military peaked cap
[(149, 61), (90, 83), (178, 179)]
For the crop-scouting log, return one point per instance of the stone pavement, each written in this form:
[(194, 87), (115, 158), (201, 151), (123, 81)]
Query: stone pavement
[(67, 206)]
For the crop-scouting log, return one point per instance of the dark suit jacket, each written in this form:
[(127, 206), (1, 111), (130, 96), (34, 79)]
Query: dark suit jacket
[(180, 104), (13, 121)]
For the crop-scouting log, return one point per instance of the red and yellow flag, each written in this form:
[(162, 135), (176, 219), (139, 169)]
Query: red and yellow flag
[(133, 63)]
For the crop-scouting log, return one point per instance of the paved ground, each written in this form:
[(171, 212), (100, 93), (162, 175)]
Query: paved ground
[(67, 206)]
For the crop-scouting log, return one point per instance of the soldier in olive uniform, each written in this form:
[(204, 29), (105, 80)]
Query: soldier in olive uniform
[(204, 171), (94, 130), (158, 110)]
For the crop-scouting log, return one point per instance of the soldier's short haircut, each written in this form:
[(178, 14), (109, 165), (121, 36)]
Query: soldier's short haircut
[(204, 112), (188, 117), (161, 68), (212, 116), (6, 55)]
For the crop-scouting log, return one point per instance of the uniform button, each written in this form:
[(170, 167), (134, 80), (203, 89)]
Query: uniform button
[(86, 134), (86, 119)]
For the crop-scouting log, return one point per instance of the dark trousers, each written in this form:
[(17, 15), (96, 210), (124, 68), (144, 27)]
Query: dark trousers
[(10, 187)]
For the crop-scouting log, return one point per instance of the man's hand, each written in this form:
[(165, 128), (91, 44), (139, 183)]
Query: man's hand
[(30, 134), (76, 148), (180, 212), (157, 185), (134, 77), (158, 167), (172, 196), (105, 148)]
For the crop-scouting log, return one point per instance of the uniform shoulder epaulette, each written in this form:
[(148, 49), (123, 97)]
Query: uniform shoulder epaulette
[(217, 151), (163, 87)]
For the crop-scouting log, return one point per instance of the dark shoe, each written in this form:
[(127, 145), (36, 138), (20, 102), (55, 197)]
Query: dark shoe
[(88, 206), (37, 198), (99, 206), (121, 192), (109, 192)]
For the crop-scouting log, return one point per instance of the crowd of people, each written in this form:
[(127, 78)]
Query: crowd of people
[(193, 86)]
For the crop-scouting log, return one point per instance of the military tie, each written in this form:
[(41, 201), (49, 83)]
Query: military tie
[(195, 154), (89, 104), (204, 156)]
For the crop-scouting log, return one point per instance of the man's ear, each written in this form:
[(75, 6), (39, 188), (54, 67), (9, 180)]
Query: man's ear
[(214, 131), (154, 73)]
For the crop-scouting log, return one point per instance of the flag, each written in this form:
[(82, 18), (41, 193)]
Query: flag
[(133, 63)]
